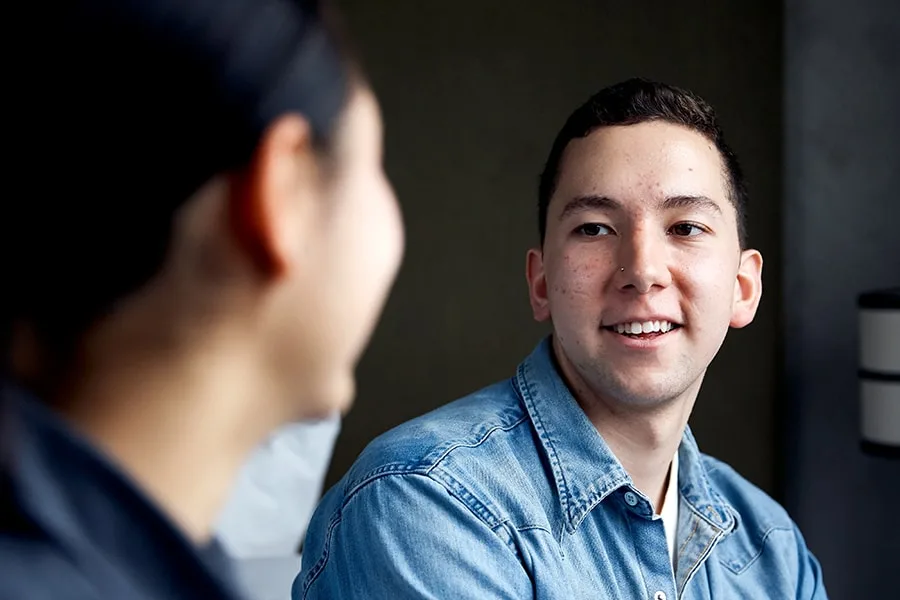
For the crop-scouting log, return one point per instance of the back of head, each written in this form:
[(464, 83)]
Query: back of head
[(637, 101), (125, 108)]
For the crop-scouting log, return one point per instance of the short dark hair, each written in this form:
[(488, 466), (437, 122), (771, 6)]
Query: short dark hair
[(125, 109), (636, 101)]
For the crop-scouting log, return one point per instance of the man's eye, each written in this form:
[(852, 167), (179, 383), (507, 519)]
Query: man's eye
[(686, 229), (593, 230)]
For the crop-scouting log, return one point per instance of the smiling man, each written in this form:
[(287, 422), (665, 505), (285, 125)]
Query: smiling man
[(579, 477)]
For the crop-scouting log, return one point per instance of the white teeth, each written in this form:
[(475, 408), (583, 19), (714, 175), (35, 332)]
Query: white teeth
[(636, 327)]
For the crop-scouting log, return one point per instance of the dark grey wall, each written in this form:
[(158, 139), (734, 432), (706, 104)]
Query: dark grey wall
[(473, 93), (841, 237)]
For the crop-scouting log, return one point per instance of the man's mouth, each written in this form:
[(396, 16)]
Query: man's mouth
[(643, 329)]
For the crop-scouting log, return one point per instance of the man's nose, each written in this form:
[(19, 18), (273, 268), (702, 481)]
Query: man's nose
[(643, 261)]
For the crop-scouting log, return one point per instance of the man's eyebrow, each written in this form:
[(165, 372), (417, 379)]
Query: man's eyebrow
[(697, 202), (595, 202), (590, 202)]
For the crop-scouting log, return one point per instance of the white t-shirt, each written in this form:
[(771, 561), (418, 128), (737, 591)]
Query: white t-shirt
[(265, 519), (670, 508)]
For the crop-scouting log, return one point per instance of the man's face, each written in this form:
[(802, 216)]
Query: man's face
[(641, 272)]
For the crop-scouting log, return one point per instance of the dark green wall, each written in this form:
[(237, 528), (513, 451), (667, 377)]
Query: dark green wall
[(473, 92)]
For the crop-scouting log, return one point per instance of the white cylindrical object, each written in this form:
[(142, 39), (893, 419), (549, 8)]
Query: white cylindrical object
[(879, 335), (880, 404), (879, 371)]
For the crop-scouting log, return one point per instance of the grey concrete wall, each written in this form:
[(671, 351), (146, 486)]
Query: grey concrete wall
[(473, 93), (841, 237)]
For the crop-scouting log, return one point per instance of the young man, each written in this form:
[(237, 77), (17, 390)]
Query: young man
[(579, 478)]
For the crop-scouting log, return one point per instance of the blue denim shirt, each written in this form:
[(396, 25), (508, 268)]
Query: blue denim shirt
[(512, 493)]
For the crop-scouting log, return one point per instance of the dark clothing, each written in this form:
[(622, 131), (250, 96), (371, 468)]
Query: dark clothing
[(73, 526)]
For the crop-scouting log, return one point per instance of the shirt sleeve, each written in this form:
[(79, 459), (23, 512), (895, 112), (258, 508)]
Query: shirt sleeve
[(406, 536), (809, 573)]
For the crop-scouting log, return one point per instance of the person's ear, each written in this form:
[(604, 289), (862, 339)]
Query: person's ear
[(747, 289), (272, 200), (537, 284)]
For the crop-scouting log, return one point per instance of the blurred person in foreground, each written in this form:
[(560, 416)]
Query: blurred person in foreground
[(202, 243)]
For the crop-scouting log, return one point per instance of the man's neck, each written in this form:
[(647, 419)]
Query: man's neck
[(179, 425), (644, 445), (643, 439)]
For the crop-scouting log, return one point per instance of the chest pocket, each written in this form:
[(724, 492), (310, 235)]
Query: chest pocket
[(742, 549)]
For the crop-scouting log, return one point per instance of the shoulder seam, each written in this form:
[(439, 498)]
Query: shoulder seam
[(478, 442), (425, 467)]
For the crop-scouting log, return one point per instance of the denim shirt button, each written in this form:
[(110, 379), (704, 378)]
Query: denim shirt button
[(659, 596), (630, 499)]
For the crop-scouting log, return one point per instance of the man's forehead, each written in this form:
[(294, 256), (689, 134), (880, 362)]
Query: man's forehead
[(645, 163)]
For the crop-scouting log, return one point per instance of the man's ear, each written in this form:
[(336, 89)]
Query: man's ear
[(747, 289), (272, 199), (537, 284)]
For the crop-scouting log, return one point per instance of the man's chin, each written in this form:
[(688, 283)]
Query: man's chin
[(648, 388), (645, 398)]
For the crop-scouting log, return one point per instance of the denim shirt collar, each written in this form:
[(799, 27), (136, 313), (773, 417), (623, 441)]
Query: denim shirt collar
[(585, 469)]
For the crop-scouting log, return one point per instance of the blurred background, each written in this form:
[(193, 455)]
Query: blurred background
[(808, 92)]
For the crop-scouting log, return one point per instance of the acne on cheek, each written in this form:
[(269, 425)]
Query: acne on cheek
[(586, 268), (578, 276)]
